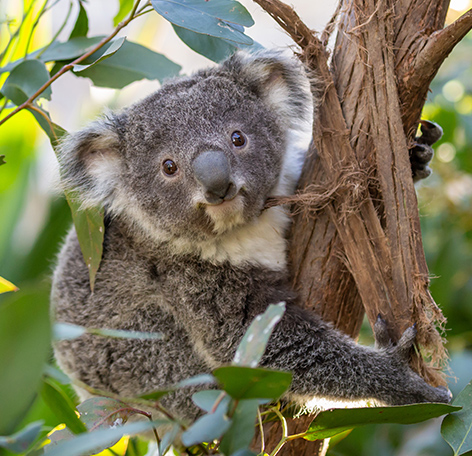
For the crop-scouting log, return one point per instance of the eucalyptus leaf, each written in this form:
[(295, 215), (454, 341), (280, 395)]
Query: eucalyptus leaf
[(102, 54), (56, 374), (253, 383), (208, 427), (21, 440), (62, 407), (68, 331), (213, 48), (168, 439), (125, 8), (81, 25), (206, 400), (254, 342), (55, 132), (25, 80), (202, 379), (90, 229), (5, 285), (68, 50), (456, 428), (87, 443), (334, 421), (24, 348), (241, 432), (104, 412), (132, 63), (215, 18)]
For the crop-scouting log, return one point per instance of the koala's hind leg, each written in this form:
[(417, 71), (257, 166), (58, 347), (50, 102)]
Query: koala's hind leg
[(422, 153)]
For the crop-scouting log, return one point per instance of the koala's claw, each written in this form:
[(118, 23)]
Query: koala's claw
[(422, 153), (406, 342), (431, 132), (382, 338)]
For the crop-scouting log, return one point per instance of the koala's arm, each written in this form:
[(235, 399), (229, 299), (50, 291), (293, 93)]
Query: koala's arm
[(328, 364)]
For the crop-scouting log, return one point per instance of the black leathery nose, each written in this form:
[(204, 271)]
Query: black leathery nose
[(213, 171)]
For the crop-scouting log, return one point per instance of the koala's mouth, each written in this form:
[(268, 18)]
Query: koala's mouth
[(226, 214)]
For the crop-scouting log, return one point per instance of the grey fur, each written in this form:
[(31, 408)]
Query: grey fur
[(178, 262)]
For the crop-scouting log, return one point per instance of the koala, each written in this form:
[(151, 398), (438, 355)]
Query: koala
[(191, 252)]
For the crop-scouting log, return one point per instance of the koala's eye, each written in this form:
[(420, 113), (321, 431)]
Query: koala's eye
[(169, 167), (238, 139)]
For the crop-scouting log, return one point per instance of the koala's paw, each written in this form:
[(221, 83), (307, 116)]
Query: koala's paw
[(422, 153), (409, 388), (400, 351)]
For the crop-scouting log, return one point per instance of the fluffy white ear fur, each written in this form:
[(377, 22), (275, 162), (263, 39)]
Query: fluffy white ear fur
[(280, 80), (90, 163)]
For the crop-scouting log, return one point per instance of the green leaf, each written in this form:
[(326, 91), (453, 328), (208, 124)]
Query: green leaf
[(20, 441), (125, 8), (56, 374), (24, 348), (214, 18), (202, 379), (168, 439), (206, 399), (71, 49), (25, 80), (6, 286), (213, 48), (62, 407), (102, 54), (81, 26), (132, 63), (90, 229), (67, 331), (252, 383), (242, 429), (456, 428), (55, 132), (87, 443), (99, 413), (334, 421), (104, 412), (208, 427), (254, 342)]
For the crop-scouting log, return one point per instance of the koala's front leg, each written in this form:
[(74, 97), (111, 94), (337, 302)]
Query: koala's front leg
[(328, 364), (422, 153)]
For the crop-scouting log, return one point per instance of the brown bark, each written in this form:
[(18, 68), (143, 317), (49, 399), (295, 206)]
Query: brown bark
[(362, 248)]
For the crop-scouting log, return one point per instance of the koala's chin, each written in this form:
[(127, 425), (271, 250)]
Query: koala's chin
[(226, 215)]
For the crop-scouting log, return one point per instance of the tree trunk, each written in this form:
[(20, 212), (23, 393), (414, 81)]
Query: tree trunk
[(356, 242)]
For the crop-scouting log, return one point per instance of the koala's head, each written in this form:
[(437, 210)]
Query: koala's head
[(198, 157)]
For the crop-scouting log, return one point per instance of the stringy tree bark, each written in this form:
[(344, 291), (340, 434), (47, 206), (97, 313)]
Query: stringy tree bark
[(356, 242)]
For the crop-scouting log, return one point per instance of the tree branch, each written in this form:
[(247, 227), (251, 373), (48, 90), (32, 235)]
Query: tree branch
[(438, 47), (289, 20)]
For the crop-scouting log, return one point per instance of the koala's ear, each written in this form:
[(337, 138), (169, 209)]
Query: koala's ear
[(279, 80), (90, 162)]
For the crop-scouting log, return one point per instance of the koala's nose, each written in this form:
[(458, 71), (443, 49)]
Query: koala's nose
[(213, 171)]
